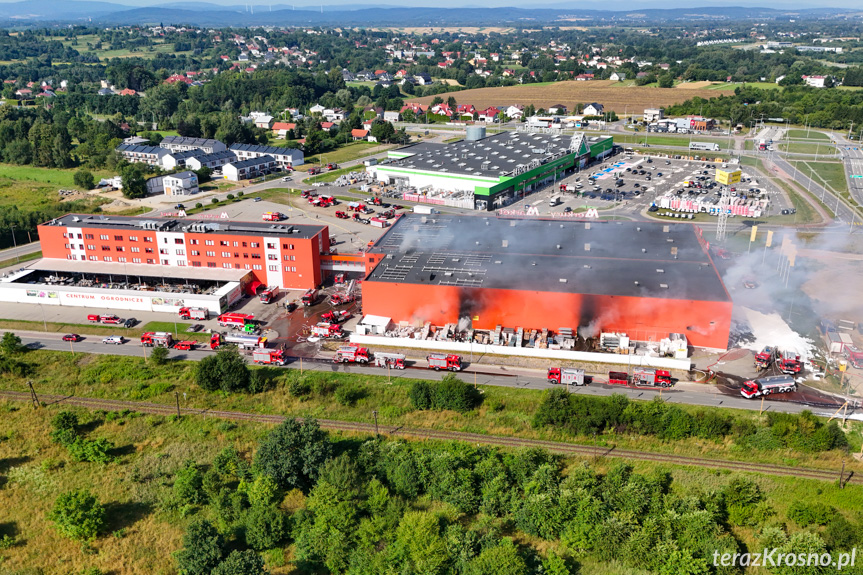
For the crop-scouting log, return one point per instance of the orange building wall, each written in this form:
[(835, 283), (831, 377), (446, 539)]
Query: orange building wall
[(705, 324)]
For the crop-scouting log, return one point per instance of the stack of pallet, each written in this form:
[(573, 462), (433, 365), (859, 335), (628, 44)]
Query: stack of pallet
[(519, 337)]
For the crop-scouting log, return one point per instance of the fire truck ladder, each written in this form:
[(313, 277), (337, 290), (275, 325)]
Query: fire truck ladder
[(722, 220)]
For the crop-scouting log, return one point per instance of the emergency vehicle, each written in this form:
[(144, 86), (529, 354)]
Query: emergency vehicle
[(269, 294), (269, 356), (449, 361), (768, 386), (566, 375), (235, 319), (241, 341), (392, 360), (194, 313), (156, 339), (351, 354)]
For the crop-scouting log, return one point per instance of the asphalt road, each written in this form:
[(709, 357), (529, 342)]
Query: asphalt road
[(684, 393)]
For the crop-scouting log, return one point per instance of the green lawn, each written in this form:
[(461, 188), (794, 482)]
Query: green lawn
[(669, 140), (732, 85), (807, 135), (348, 152), (831, 173), (59, 178), (807, 148)]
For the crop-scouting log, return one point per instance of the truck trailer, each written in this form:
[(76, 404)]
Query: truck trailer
[(235, 319), (244, 342), (853, 355), (768, 386), (448, 361), (566, 375)]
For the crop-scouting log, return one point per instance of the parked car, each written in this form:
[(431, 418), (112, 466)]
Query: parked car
[(131, 322), (112, 319), (258, 199), (71, 337)]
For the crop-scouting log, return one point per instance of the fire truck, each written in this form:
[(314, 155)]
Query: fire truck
[(766, 357), (393, 360), (325, 329), (185, 345), (235, 319), (314, 170), (643, 376), (241, 341), (351, 354), (337, 316), (342, 215), (438, 361), (269, 294), (308, 194), (310, 297), (789, 362), (768, 385), (273, 216), (332, 166), (853, 355), (341, 298), (156, 339), (194, 313), (269, 356), (566, 375)]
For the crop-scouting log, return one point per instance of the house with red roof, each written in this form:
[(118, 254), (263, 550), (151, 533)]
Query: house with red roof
[(280, 129), (174, 78), (442, 110), (465, 110), (489, 114), (127, 92), (327, 126), (359, 134)]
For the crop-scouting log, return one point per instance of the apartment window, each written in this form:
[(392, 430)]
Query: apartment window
[(121, 260), (180, 252), (247, 266), (70, 257), (195, 253), (226, 254), (245, 245), (103, 237), (136, 260), (89, 236), (271, 246), (148, 240), (106, 248), (223, 242), (166, 262), (246, 256), (133, 238), (148, 250), (211, 254), (273, 268), (256, 245), (80, 246), (118, 238), (150, 261), (196, 264), (290, 269), (258, 268), (120, 248), (163, 251), (65, 235), (211, 264), (135, 250), (91, 247), (272, 257), (236, 244), (67, 246), (107, 259), (290, 246), (293, 258), (181, 262), (256, 256), (236, 266), (93, 258), (209, 242), (193, 242)]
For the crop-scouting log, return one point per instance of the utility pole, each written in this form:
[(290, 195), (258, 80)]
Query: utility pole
[(375, 414), (177, 397), (33, 397)]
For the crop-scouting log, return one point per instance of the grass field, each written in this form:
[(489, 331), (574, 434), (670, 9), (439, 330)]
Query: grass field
[(613, 97), (807, 148), (59, 178), (830, 173), (807, 135), (348, 152)]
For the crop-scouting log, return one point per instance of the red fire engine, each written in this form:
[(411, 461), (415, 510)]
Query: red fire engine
[(337, 316), (351, 354), (641, 376), (789, 362), (310, 297), (308, 194), (341, 298), (566, 375), (438, 361), (853, 355), (324, 329), (269, 356), (194, 313), (185, 345), (766, 357), (392, 360), (768, 385), (156, 339), (217, 340), (269, 294), (273, 216), (235, 319)]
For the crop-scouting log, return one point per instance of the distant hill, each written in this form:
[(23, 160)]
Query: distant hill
[(209, 14)]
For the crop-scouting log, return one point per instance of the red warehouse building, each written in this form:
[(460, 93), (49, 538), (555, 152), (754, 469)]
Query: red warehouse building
[(643, 279), (285, 255)]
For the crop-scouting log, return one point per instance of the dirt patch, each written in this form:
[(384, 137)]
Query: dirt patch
[(694, 85), (613, 97)]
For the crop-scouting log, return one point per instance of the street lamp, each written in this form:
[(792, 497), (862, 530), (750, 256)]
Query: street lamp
[(15, 243)]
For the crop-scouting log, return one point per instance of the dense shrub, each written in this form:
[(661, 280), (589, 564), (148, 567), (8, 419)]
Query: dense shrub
[(815, 513), (227, 370), (348, 394), (78, 515), (93, 450), (448, 393)]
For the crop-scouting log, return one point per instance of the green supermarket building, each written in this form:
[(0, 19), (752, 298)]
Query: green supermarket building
[(488, 172)]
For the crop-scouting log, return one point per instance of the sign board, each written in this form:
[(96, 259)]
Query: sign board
[(727, 178), (534, 212), (856, 176)]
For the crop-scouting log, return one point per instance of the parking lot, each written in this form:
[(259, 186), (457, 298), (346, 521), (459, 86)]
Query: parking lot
[(629, 185)]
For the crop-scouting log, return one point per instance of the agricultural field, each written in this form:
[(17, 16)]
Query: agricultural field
[(615, 98)]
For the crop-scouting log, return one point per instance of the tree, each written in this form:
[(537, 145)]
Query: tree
[(10, 344), (227, 370), (420, 543), (188, 485), (134, 184), (383, 131), (84, 179), (241, 563), (293, 454), (159, 356), (266, 527), (666, 81), (500, 560), (78, 515), (203, 549)]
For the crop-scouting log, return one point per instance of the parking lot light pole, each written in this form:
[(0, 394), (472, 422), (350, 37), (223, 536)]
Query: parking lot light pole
[(15, 243)]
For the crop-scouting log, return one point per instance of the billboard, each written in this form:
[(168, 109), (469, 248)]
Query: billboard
[(727, 178)]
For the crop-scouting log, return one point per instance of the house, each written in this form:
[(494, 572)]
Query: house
[(417, 109), (423, 79), (364, 76), (180, 184), (359, 134), (617, 77), (135, 141), (101, 92), (347, 75), (384, 77), (263, 122), (327, 126), (442, 110), (316, 109), (250, 168), (593, 109), (177, 159), (281, 129), (701, 124), (584, 77), (213, 161), (182, 143), (284, 157), (815, 81), (515, 112), (142, 154), (653, 114), (490, 114), (127, 92), (334, 114), (557, 109), (392, 117)]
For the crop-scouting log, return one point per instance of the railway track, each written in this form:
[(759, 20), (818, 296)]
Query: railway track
[(442, 435)]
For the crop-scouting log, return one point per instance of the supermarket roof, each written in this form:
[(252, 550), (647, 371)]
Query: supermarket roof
[(144, 270), (496, 155), (638, 259), (178, 225)]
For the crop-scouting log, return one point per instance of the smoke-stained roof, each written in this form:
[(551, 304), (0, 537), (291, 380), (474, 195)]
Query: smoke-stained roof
[(606, 258)]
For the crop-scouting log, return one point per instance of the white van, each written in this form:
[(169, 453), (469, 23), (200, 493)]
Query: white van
[(113, 339)]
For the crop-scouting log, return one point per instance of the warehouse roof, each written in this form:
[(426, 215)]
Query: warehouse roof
[(177, 225), (497, 155), (604, 258)]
